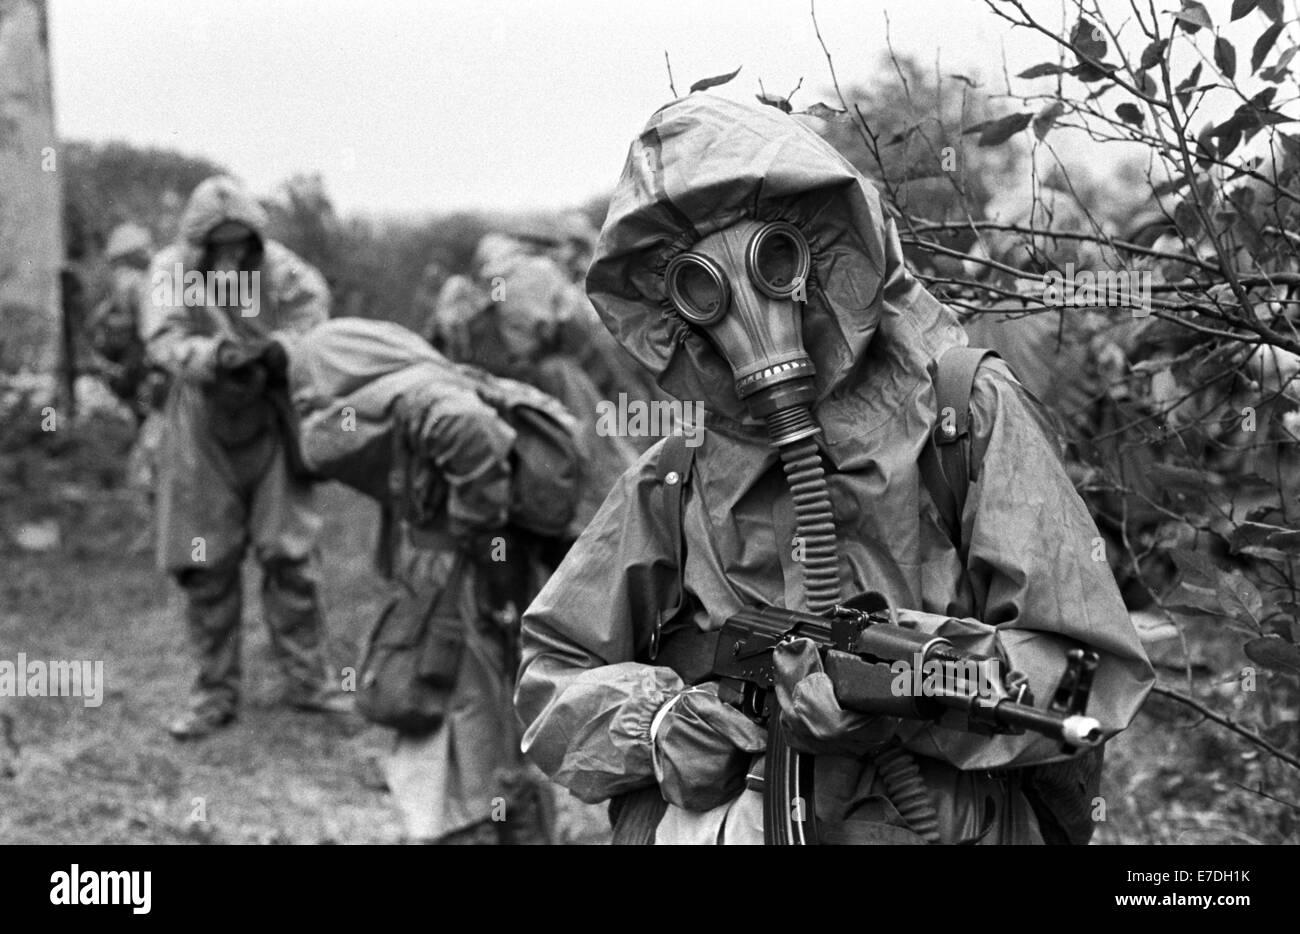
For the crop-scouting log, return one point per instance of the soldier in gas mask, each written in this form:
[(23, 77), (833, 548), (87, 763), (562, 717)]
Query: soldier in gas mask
[(748, 266), (225, 466)]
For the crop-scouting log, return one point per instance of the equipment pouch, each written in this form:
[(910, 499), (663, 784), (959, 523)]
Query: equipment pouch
[(410, 665)]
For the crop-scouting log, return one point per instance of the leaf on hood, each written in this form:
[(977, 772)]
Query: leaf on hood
[(825, 112), (1274, 654), (705, 83), (780, 103)]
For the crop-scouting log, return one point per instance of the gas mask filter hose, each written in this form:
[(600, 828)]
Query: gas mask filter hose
[(813, 512), (815, 528)]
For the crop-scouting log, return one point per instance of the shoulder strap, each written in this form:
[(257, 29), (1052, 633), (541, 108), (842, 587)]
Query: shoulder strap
[(393, 509), (945, 464), (676, 461)]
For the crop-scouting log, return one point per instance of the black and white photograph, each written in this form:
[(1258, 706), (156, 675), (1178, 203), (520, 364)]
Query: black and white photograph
[(847, 422)]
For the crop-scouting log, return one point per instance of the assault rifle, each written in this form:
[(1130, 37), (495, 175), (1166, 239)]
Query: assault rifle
[(872, 662)]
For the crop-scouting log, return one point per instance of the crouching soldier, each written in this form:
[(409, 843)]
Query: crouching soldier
[(220, 299), (481, 478), (749, 267)]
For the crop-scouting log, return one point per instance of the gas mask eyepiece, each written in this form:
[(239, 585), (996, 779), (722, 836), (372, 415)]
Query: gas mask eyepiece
[(698, 288), (778, 260), (744, 288)]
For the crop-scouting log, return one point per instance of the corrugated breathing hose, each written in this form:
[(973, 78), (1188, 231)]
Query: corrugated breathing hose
[(790, 432), (902, 779)]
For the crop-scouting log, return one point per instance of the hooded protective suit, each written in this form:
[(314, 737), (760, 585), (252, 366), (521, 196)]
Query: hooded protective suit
[(113, 326), (215, 496), (524, 318), (1028, 589), (450, 781)]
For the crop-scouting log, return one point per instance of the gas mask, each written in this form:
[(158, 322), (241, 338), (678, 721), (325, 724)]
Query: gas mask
[(231, 247), (744, 288)]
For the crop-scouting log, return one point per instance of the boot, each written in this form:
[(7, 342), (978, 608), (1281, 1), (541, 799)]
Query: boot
[(212, 615), (200, 722), (321, 699)]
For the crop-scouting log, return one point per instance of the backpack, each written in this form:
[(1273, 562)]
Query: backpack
[(366, 376), (546, 461), (410, 663), (1060, 794)]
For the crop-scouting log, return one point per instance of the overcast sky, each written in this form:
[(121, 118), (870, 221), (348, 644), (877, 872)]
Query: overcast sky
[(409, 106)]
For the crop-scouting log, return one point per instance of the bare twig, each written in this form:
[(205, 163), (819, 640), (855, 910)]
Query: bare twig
[(1230, 724)]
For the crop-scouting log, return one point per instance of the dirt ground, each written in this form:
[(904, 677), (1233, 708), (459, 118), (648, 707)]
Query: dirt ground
[(111, 774)]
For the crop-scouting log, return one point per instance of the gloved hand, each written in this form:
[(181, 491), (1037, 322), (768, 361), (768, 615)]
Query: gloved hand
[(235, 355), (276, 360), (701, 748), (502, 559), (813, 719), (240, 378)]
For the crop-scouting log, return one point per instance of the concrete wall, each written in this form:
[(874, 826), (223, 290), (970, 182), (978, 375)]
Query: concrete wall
[(31, 235)]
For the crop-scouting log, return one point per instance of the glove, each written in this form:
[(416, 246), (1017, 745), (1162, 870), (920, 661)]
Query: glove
[(701, 748), (235, 355), (240, 379), (276, 360), (502, 559), (813, 720)]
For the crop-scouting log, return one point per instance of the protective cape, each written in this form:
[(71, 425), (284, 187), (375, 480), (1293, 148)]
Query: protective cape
[(349, 378), (1029, 590), (202, 486), (523, 317)]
